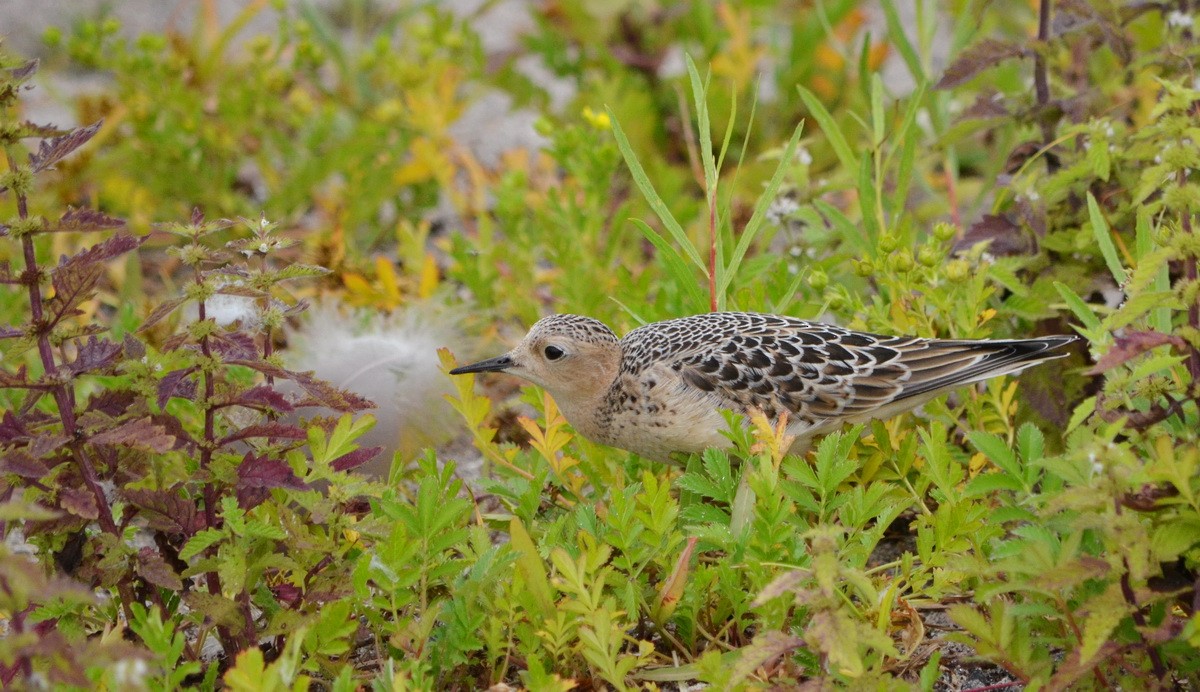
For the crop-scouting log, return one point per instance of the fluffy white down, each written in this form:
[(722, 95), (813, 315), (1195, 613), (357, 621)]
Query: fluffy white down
[(391, 360)]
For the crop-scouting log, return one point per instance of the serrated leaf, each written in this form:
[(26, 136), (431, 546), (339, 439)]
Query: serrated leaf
[(166, 511), (297, 271), (79, 502), (1132, 344), (23, 464), (263, 397), (233, 345), (1105, 613), (83, 220), (987, 483), (54, 150), (269, 430), (202, 541), (95, 356), (997, 451), (767, 646), (352, 460), (160, 312), (216, 608), (177, 384), (155, 570), (531, 567), (1170, 540), (138, 434), (980, 57)]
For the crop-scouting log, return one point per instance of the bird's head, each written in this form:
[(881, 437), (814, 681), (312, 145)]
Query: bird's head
[(572, 357)]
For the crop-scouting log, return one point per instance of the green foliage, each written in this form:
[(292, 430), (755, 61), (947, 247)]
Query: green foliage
[(172, 496)]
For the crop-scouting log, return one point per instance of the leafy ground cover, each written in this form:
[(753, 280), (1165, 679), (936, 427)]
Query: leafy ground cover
[(182, 508)]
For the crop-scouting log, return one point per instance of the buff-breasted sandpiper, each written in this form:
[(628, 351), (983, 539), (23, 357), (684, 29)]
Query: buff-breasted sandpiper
[(660, 389)]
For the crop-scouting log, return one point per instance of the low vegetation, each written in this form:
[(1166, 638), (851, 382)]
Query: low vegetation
[(182, 508)]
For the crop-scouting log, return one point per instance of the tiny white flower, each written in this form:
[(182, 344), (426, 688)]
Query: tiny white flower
[(1179, 19), (804, 156)]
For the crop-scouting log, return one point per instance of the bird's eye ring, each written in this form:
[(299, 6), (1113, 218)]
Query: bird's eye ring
[(554, 353)]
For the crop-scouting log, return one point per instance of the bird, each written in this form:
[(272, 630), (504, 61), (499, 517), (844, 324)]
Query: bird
[(659, 391)]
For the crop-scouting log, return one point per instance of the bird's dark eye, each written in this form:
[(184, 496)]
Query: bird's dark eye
[(554, 353)]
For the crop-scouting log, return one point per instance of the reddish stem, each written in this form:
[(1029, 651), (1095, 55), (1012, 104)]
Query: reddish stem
[(64, 393), (1041, 83)]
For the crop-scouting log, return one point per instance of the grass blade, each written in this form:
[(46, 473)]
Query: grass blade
[(656, 203), (1104, 239)]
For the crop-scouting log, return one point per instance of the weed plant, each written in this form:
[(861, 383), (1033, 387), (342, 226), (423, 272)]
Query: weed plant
[(1043, 181)]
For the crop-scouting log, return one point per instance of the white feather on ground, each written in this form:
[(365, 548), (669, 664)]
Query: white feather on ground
[(389, 359)]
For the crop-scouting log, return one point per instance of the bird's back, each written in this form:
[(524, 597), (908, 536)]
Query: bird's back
[(676, 375)]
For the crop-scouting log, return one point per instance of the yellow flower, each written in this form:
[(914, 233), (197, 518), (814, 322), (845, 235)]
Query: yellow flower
[(600, 121)]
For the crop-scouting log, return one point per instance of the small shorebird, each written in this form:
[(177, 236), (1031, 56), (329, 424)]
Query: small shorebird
[(660, 389)]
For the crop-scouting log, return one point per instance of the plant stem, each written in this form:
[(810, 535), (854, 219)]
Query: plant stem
[(712, 248), (64, 393), (1041, 83), (211, 578)]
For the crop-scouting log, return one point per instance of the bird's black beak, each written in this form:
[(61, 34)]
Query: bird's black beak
[(497, 364)]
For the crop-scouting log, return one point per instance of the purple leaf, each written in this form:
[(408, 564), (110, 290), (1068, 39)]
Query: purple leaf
[(19, 380), (161, 311), (1005, 237), (263, 397), (265, 472), (267, 430), (155, 570), (134, 348), (87, 220), (44, 444), (111, 403), (1133, 344), (95, 355), (257, 474), (72, 285), (355, 459), (233, 345), (139, 434), (21, 73), (979, 57), (12, 428), (325, 394), (21, 463), (167, 511), (79, 502), (54, 150), (288, 594), (177, 384), (103, 251)]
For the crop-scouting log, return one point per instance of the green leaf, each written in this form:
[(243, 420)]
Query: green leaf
[(656, 203), (531, 567), (676, 266), (997, 451), (1172, 539), (988, 483), (901, 41), (760, 211), (1080, 308), (1104, 239), (829, 129), (202, 541)]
